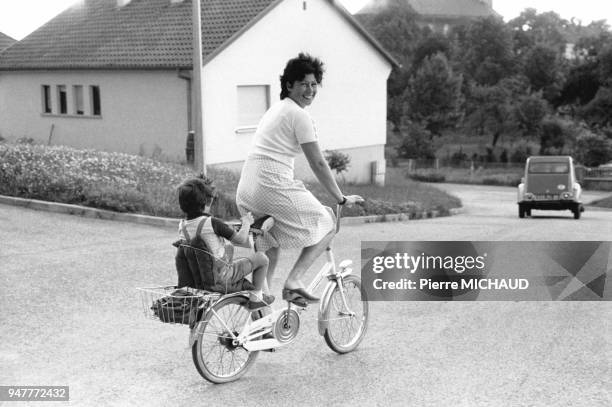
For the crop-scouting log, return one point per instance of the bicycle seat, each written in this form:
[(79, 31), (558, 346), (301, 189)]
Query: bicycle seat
[(262, 225)]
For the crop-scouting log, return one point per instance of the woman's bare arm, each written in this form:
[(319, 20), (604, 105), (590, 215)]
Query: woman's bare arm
[(321, 169)]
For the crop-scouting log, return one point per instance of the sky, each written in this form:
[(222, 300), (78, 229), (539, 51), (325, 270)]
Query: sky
[(18, 18)]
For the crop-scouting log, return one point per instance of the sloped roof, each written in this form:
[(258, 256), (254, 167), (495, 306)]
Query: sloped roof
[(144, 34), (438, 8), (6, 41)]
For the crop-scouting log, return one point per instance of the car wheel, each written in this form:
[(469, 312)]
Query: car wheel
[(521, 210), (577, 212), (528, 212)]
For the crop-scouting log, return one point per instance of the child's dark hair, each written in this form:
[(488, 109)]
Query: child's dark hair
[(194, 194), (297, 68)]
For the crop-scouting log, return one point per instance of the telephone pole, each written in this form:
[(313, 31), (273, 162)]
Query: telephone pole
[(199, 139)]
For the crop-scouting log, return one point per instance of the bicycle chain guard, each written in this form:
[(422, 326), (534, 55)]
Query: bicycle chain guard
[(287, 326)]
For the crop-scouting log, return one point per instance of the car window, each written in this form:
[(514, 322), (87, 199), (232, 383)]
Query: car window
[(548, 168)]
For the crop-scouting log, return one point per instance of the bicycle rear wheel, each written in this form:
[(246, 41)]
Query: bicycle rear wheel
[(215, 355), (347, 324)]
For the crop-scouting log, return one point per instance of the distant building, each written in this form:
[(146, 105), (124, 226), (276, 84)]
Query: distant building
[(439, 15), (6, 41)]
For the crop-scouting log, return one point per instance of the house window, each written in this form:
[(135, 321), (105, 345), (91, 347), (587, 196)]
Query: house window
[(96, 107), (46, 98), (62, 97), (77, 90), (253, 101)]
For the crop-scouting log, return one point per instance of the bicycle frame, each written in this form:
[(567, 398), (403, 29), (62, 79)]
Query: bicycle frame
[(250, 334)]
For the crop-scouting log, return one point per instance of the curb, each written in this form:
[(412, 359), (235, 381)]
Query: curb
[(173, 222), (87, 212)]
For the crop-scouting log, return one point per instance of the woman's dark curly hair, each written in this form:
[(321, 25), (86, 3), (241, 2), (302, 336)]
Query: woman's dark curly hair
[(297, 69)]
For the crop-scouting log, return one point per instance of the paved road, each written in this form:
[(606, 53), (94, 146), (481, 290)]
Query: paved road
[(70, 317)]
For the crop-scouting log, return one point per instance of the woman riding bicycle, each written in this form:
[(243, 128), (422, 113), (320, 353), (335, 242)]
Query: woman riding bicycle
[(267, 185)]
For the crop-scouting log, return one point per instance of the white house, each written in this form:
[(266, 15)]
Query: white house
[(116, 75)]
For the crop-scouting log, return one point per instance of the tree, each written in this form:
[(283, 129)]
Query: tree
[(487, 51), (430, 45), (415, 142), (581, 85), (593, 39), (605, 65), (434, 95), (553, 137), (542, 68), (395, 27), (531, 29), (529, 112), (491, 109), (598, 112)]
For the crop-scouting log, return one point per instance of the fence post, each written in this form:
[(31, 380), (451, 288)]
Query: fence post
[(471, 170)]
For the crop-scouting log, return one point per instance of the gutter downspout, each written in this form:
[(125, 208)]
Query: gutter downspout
[(186, 75)]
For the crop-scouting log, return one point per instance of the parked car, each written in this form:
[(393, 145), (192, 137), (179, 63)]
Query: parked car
[(549, 184)]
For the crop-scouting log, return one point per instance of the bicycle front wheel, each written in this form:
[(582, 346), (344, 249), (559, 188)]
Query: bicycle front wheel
[(215, 354), (347, 315)]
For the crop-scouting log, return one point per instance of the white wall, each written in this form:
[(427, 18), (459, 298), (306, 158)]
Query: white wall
[(140, 110), (350, 108)]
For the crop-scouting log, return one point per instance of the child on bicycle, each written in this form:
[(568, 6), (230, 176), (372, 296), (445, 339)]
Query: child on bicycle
[(196, 196)]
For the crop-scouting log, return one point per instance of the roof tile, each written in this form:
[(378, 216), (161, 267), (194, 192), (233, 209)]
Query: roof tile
[(148, 34), (6, 41)]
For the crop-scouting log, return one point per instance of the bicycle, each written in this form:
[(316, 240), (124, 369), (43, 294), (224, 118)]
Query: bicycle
[(225, 337)]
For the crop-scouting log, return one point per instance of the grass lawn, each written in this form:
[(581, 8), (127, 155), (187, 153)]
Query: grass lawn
[(128, 183), (510, 176)]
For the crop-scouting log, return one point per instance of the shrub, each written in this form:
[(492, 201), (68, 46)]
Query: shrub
[(503, 157), (592, 149), (458, 157), (503, 180), (553, 137), (338, 161), (520, 153), (427, 176), (129, 183), (416, 143), (114, 181)]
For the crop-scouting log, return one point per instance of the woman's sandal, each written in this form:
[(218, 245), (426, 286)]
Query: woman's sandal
[(299, 296)]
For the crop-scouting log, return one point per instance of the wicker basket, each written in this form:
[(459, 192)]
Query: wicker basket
[(175, 305)]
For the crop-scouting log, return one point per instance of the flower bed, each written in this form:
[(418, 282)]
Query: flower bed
[(128, 183)]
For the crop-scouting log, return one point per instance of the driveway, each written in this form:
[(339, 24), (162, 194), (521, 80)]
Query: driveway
[(71, 316)]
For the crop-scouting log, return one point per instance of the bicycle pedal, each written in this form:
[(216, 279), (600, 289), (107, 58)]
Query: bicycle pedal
[(300, 302)]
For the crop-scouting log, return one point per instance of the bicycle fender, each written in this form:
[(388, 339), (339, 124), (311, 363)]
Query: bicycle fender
[(327, 293)]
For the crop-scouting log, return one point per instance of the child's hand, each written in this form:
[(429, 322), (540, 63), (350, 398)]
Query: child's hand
[(247, 219)]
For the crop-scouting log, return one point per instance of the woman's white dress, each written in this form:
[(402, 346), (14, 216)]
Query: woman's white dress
[(267, 185)]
